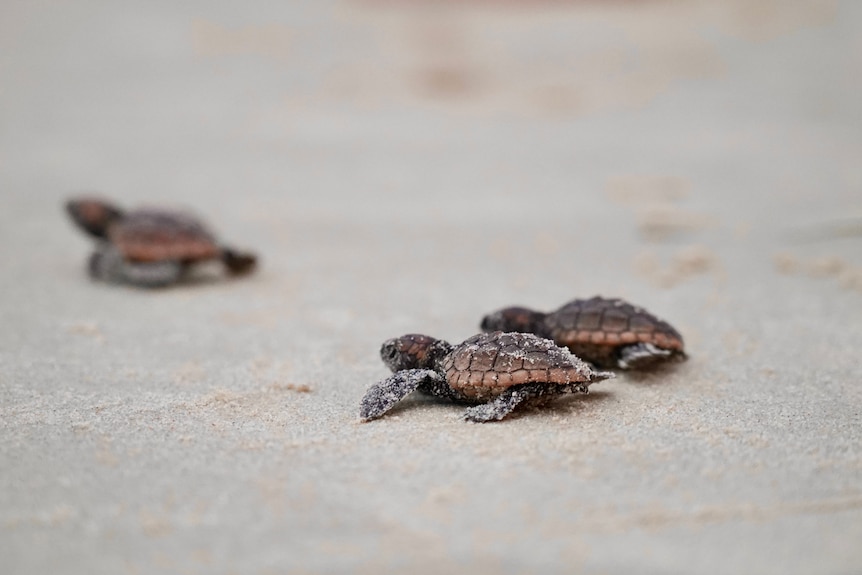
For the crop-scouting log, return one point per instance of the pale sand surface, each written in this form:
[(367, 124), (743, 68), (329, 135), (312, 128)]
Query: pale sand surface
[(410, 169)]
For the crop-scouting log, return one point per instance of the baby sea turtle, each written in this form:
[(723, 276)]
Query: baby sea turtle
[(497, 370), (606, 332), (149, 247)]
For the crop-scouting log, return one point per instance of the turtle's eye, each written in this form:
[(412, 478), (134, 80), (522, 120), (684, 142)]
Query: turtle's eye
[(390, 355)]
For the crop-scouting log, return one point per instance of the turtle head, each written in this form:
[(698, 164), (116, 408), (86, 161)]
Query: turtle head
[(518, 319), (93, 215), (413, 351)]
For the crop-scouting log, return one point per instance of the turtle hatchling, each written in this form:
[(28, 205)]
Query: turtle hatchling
[(499, 371), (607, 332), (149, 247)]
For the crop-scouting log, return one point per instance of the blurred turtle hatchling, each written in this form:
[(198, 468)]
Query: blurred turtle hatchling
[(607, 332), (149, 247)]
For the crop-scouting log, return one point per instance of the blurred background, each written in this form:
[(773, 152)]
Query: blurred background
[(594, 125), (300, 102), (656, 117), (407, 166)]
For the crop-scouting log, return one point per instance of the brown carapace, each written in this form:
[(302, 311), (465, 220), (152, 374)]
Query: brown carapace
[(497, 370), (149, 247), (608, 332)]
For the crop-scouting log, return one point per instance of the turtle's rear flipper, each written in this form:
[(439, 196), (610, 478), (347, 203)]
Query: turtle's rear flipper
[(238, 263), (642, 356), (506, 402), (381, 397)]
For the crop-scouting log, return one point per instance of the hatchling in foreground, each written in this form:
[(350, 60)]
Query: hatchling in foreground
[(499, 371), (606, 332), (149, 247)]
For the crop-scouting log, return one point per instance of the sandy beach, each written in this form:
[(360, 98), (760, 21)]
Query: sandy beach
[(409, 167)]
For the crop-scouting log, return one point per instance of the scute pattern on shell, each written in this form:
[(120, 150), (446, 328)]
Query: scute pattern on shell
[(609, 322), (154, 235), (488, 363)]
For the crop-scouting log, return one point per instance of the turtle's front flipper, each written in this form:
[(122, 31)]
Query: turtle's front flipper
[(641, 355), (152, 274), (107, 264), (380, 397), (238, 263), (506, 402)]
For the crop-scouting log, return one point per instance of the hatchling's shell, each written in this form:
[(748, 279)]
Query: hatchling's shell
[(156, 235), (488, 363), (609, 322)]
